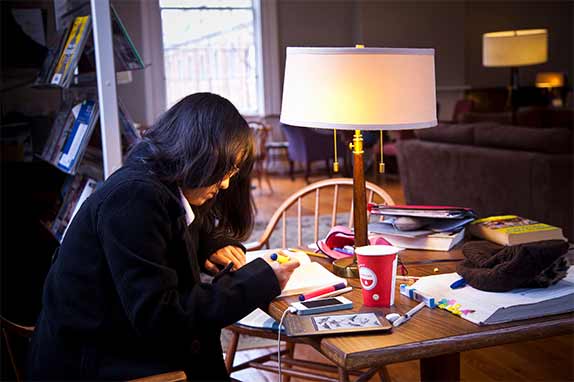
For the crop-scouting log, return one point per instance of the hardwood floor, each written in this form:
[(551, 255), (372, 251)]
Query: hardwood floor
[(542, 360)]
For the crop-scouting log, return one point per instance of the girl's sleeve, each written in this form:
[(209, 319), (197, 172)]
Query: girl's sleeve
[(135, 230)]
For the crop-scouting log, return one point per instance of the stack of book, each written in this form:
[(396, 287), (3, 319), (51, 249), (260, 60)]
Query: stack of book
[(435, 228)]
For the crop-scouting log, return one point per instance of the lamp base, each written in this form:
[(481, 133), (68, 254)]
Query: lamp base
[(346, 267)]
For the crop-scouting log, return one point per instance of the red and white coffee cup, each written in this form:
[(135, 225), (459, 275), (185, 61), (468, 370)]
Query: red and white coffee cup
[(377, 272)]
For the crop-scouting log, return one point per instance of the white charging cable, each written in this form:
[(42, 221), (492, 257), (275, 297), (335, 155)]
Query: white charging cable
[(288, 310)]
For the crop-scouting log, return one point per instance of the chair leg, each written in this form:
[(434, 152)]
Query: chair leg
[(230, 351), (384, 375), (292, 170), (289, 353), (343, 375), (307, 171)]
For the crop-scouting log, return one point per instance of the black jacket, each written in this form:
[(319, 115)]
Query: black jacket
[(123, 298)]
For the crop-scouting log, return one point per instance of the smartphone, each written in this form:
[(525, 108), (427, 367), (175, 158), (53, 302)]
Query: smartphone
[(322, 305)]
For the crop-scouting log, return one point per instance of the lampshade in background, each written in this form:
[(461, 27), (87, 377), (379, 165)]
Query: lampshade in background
[(549, 80), (359, 89), (515, 48)]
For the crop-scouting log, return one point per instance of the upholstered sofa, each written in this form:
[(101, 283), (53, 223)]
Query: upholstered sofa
[(496, 168)]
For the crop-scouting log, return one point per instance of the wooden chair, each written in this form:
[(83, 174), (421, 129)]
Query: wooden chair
[(261, 133), (374, 194), (12, 332)]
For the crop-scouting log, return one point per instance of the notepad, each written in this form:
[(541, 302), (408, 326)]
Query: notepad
[(308, 276), (486, 308)]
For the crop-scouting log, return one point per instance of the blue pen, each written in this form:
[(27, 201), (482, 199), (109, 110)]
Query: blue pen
[(458, 284)]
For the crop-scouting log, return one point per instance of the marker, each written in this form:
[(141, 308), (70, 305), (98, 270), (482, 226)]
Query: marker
[(281, 259), (409, 314), (321, 291), (331, 294), (460, 283)]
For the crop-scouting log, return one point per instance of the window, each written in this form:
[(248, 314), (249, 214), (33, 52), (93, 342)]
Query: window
[(210, 46)]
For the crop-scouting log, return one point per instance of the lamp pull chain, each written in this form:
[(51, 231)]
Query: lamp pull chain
[(336, 161), (381, 164)]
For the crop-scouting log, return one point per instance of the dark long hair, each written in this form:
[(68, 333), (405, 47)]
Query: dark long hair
[(195, 144)]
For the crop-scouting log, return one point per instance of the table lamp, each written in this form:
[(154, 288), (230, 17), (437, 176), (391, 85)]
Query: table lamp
[(359, 89), (551, 81), (514, 49)]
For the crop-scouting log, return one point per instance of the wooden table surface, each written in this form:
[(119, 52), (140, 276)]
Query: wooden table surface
[(431, 332)]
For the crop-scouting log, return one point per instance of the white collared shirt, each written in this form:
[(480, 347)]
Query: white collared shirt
[(189, 215)]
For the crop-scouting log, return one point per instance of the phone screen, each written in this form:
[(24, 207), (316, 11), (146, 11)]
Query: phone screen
[(320, 303)]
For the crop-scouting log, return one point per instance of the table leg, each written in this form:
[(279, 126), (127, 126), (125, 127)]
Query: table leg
[(441, 368)]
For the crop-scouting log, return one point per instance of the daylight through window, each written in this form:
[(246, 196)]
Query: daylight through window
[(209, 45)]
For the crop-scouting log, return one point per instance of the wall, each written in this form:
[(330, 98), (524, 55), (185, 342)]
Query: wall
[(453, 28)]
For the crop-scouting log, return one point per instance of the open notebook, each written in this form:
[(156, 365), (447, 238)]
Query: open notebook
[(486, 308), (307, 277)]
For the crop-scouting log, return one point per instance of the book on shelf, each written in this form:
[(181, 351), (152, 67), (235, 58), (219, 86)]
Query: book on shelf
[(72, 61), (72, 130), (486, 308), (75, 191), (307, 277), (512, 230)]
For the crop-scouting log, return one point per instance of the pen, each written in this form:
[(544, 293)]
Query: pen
[(316, 254), (225, 270), (331, 294), (321, 291), (409, 314), (458, 284)]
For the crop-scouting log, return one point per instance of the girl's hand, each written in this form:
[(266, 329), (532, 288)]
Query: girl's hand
[(223, 257), (282, 271)]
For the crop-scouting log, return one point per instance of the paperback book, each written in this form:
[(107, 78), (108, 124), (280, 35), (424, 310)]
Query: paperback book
[(512, 230)]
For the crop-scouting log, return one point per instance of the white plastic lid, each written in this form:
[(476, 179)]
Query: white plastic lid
[(377, 250)]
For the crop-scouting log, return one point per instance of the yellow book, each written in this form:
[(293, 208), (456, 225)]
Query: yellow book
[(512, 230), (72, 44)]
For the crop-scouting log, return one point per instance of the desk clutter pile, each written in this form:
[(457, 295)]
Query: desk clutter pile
[(434, 228)]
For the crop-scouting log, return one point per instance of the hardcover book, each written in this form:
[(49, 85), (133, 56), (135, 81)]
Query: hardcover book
[(512, 230)]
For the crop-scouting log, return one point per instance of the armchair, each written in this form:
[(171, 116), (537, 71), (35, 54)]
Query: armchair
[(310, 145)]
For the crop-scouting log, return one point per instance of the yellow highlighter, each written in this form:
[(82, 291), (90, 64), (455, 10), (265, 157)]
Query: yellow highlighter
[(280, 258)]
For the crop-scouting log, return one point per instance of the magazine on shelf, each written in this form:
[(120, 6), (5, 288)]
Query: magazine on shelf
[(79, 137), (485, 308), (75, 191), (70, 55), (73, 60)]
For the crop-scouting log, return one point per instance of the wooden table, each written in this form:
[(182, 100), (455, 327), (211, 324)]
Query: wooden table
[(435, 337)]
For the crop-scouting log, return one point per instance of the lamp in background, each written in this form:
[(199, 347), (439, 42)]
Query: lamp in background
[(514, 49), (551, 81), (359, 89)]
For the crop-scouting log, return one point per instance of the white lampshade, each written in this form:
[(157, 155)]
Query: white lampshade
[(359, 88), (515, 48)]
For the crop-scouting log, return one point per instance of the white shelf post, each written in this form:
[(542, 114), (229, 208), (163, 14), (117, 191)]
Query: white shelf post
[(107, 93)]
